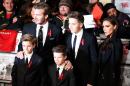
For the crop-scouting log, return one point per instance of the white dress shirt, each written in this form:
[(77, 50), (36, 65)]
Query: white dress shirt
[(28, 56), (44, 30), (79, 36), (60, 69)]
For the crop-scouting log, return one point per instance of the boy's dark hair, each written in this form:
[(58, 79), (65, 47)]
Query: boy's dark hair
[(76, 15), (42, 5), (60, 49), (30, 38)]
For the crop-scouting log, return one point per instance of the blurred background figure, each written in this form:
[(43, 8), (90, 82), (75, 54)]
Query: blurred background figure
[(122, 18), (8, 15)]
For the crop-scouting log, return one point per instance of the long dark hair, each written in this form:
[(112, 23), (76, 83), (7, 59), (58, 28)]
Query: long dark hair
[(107, 42)]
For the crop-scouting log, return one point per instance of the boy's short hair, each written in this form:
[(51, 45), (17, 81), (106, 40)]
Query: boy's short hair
[(30, 38), (60, 49), (76, 15)]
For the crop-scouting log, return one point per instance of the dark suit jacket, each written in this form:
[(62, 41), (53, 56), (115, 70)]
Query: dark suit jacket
[(86, 59), (67, 80), (32, 74), (53, 38)]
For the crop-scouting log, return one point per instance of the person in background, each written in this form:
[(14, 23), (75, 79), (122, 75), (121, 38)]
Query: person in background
[(65, 7), (28, 71), (82, 51), (122, 18), (8, 17), (90, 8), (58, 76), (110, 55)]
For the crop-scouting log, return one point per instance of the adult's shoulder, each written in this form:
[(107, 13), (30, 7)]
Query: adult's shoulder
[(88, 34), (29, 24), (54, 27)]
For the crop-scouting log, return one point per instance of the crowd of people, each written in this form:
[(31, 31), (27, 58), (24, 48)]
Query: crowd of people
[(57, 50)]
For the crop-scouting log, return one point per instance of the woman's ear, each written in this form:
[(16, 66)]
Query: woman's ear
[(115, 27)]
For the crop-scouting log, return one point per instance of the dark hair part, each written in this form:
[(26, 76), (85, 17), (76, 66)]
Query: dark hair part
[(42, 5), (30, 38), (112, 20), (76, 15), (60, 49)]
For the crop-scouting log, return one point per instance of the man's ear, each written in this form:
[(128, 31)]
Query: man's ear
[(46, 17), (65, 57)]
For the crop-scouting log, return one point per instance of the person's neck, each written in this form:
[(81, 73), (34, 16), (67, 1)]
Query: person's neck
[(63, 17), (9, 12), (43, 23), (62, 65)]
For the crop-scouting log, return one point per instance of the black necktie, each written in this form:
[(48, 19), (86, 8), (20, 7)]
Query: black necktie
[(57, 75), (74, 43), (26, 60), (40, 37)]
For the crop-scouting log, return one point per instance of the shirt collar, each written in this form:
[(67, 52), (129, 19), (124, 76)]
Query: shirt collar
[(61, 67), (28, 55)]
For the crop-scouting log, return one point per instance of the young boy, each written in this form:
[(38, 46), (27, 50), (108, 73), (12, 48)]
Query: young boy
[(58, 76), (29, 70)]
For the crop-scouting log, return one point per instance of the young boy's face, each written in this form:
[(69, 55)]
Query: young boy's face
[(27, 47), (59, 58)]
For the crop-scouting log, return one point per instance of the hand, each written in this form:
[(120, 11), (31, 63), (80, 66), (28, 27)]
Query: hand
[(20, 54), (14, 20), (68, 65), (89, 85)]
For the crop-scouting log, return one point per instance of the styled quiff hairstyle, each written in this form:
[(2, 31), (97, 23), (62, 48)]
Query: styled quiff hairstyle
[(42, 5), (76, 15)]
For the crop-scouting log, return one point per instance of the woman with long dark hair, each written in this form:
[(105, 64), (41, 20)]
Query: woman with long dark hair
[(110, 55)]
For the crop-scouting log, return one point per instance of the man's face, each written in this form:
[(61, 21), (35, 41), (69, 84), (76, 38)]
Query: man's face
[(74, 25), (8, 5), (38, 16), (59, 58), (112, 12), (27, 47), (64, 10)]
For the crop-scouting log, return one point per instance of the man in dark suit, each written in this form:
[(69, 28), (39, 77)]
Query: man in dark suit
[(82, 51), (48, 34), (28, 71), (58, 76)]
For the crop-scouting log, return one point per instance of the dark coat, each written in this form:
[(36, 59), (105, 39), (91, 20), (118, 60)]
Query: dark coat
[(124, 25), (109, 62), (31, 74), (53, 38), (9, 22), (68, 78), (86, 59)]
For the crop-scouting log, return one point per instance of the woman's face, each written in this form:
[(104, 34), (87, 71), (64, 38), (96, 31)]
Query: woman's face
[(108, 28)]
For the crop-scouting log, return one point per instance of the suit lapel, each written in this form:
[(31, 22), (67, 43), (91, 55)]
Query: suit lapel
[(49, 34)]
